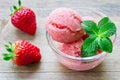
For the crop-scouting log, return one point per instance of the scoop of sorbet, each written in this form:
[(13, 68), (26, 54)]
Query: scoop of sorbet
[(63, 25), (73, 49)]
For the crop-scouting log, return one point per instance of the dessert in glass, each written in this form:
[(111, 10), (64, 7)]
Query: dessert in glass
[(68, 38)]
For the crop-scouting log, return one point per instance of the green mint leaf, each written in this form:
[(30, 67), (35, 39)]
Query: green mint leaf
[(90, 27), (103, 21), (105, 44), (89, 47), (98, 36), (107, 30)]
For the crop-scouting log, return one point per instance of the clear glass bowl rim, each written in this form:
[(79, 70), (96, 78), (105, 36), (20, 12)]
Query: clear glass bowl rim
[(92, 58)]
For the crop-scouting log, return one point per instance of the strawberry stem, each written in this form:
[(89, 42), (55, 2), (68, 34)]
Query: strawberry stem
[(10, 48), (15, 8)]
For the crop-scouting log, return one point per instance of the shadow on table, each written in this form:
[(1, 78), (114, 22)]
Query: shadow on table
[(26, 71), (98, 73)]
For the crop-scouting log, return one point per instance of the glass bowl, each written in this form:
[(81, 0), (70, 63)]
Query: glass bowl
[(79, 63)]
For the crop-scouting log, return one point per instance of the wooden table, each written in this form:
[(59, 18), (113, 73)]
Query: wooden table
[(49, 67)]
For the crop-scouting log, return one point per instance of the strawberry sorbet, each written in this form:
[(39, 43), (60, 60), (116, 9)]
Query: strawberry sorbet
[(73, 49), (63, 24)]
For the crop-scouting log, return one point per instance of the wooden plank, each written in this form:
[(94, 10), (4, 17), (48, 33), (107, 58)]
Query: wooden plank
[(108, 7), (53, 67), (61, 76)]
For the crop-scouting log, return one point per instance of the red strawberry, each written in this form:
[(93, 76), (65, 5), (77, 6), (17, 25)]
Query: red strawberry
[(24, 19), (22, 53)]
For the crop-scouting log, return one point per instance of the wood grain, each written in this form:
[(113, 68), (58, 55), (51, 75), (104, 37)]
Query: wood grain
[(49, 67), (61, 76)]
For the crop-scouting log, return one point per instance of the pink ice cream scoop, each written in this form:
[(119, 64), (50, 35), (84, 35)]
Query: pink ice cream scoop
[(63, 25), (73, 49)]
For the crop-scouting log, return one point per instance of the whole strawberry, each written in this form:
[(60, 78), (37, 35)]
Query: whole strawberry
[(24, 19), (22, 53)]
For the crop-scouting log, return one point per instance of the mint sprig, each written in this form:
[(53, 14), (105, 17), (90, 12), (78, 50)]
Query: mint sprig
[(98, 36)]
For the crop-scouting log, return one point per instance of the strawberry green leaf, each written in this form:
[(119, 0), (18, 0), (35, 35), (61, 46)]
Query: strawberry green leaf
[(14, 7), (90, 27), (10, 43), (107, 30), (7, 46), (8, 56), (11, 14), (89, 47), (9, 49), (19, 3), (105, 44), (103, 21)]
